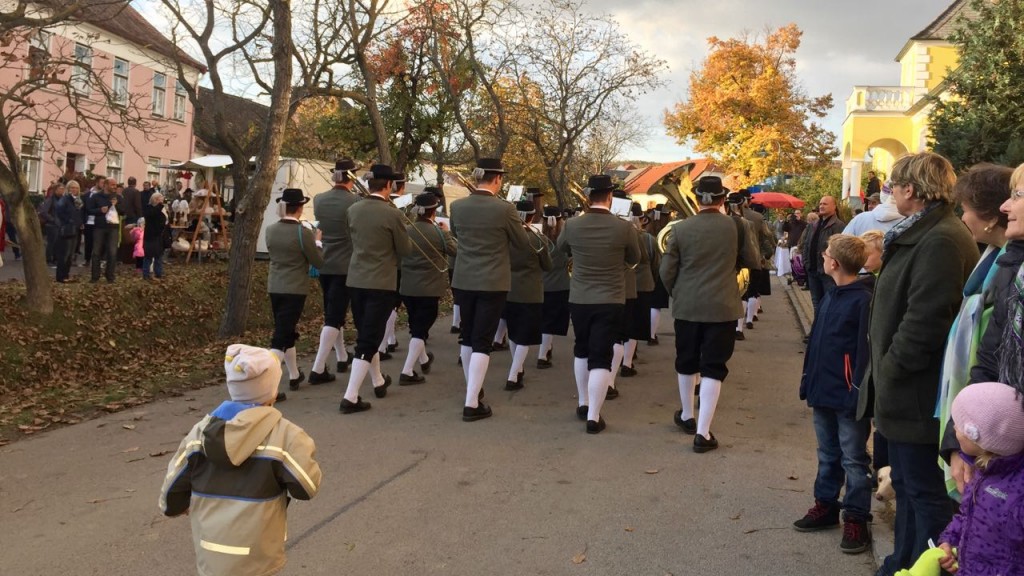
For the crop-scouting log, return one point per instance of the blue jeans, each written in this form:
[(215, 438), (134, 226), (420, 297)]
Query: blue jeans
[(819, 283), (923, 508), (158, 266), (843, 452)]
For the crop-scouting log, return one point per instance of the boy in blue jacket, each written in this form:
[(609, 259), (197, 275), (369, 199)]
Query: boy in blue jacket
[(835, 361)]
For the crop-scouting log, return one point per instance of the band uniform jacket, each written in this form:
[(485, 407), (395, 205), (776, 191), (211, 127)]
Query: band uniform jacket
[(600, 245), (234, 473), (485, 227), (379, 241), (765, 238), (630, 272), (698, 268), (648, 266), (557, 278), (331, 211), (425, 268), (291, 257), (528, 267)]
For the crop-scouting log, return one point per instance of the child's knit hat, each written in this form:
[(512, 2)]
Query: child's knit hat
[(252, 373), (990, 414)]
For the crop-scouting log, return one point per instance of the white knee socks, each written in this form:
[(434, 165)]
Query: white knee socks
[(356, 375), (501, 332), (339, 346), (456, 316), (416, 349), (465, 353), (518, 361), (710, 390), (618, 351), (597, 389), (423, 353), (389, 332), (278, 353), (579, 368), (478, 363), (291, 363), (687, 382), (375, 376), (547, 341), (751, 309), (655, 321), (629, 350), (328, 338)]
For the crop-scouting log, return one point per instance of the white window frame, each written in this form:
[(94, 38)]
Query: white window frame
[(119, 85), (115, 165), (153, 168), (31, 157), (159, 104), (179, 101), (82, 70), (38, 51)]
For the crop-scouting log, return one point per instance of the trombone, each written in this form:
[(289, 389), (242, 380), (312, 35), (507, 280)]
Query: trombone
[(579, 195), (360, 188)]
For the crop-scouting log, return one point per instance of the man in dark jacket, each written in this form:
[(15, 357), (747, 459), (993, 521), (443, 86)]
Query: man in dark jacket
[(106, 231), (814, 246)]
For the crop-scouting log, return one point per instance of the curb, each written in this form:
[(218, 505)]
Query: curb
[(801, 314)]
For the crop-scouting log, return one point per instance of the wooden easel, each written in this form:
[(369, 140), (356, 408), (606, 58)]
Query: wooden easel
[(221, 237)]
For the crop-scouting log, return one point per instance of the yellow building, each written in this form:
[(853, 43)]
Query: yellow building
[(884, 122)]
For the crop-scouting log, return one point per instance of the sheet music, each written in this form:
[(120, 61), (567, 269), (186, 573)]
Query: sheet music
[(515, 193), (403, 200), (621, 207)]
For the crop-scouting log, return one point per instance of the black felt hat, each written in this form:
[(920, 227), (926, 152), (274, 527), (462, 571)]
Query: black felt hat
[(400, 177), (383, 172), (620, 193), (427, 200), (533, 191), (599, 183), (293, 197), (525, 206), (636, 210), (433, 190), (735, 198), (553, 212), (710, 185), (490, 165), (345, 164)]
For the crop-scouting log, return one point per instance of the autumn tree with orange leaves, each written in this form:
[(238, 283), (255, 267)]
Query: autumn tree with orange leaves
[(746, 109)]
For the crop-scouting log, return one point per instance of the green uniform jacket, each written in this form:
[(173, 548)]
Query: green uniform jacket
[(290, 259), (648, 266), (630, 272), (425, 268), (600, 245), (528, 268), (917, 295), (557, 278), (331, 210), (698, 268), (485, 226), (379, 240)]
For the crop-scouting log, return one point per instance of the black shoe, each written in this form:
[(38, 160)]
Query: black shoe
[(652, 341), (581, 412), (382, 390), (343, 365), (406, 380), (750, 325), (459, 360), (425, 367), (856, 536), (820, 517), (543, 364), (320, 377), (496, 346), (702, 444), (384, 356), (455, 330), (755, 317), (740, 336), (473, 414), (516, 384), (294, 382), (595, 427), (689, 425), (352, 407), (612, 394), (281, 397), (392, 347), (627, 372)]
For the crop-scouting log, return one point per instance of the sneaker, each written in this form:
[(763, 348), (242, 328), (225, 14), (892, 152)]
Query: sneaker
[(582, 411), (294, 382), (612, 394), (320, 377), (425, 367), (819, 517), (750, 325), (595, 427), (407, 380), (473, 414), (627, 372), (740, 336), (689, 425), (343, 365), (856, 536), (382, 390), (702, 444), (348, 407)]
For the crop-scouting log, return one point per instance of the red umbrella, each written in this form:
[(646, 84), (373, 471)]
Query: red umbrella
[(776, 200)]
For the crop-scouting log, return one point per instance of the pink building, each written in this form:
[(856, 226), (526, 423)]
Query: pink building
[(134, 70)]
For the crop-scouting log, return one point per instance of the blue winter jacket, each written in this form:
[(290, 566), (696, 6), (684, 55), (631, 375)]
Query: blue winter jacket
[(837, 353)]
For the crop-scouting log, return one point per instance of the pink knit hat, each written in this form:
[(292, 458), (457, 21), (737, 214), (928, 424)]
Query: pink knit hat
[(990, 414)]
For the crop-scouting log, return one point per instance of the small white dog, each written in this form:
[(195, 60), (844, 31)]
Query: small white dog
[(885, 491)]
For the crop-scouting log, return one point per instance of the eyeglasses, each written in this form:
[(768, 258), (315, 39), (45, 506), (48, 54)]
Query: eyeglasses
[(827, 255)]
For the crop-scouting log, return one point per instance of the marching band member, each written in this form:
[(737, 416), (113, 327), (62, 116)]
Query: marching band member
[(524, 307), (555, 316), (485, 227), (657, 219), (390, 342), (423, 282), (600, 245), (639, 321), (379, 240), (626, 322)]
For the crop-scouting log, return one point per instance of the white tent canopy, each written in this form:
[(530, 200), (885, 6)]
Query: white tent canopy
[(203, 163)]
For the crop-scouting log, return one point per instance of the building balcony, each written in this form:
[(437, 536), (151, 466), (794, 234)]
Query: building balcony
[(883, 98)]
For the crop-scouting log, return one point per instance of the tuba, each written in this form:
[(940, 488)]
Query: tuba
[(742, 275)]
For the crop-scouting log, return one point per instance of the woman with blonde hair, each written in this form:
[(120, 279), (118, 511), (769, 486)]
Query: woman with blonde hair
[(926, 260)]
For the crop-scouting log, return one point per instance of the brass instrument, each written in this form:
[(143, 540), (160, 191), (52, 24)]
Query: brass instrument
[(742, 275), (357, 184), (577, 193)]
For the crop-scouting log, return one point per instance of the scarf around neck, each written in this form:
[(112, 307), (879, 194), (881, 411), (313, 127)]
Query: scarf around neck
[(908, 223)]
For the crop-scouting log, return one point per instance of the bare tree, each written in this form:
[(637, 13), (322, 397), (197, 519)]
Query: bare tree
[(619, 126), (257, 34), (65, 98)]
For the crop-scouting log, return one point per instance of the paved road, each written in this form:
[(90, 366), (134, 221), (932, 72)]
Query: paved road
[(411, 489)]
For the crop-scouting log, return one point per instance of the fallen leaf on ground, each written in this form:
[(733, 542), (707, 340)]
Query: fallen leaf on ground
[(793, 478), (160, 453), (132, 449), (630, 529), (128, 426), (651, 471), (581, 557)]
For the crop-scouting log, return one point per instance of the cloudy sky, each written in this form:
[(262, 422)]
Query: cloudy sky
[(844, 44)]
